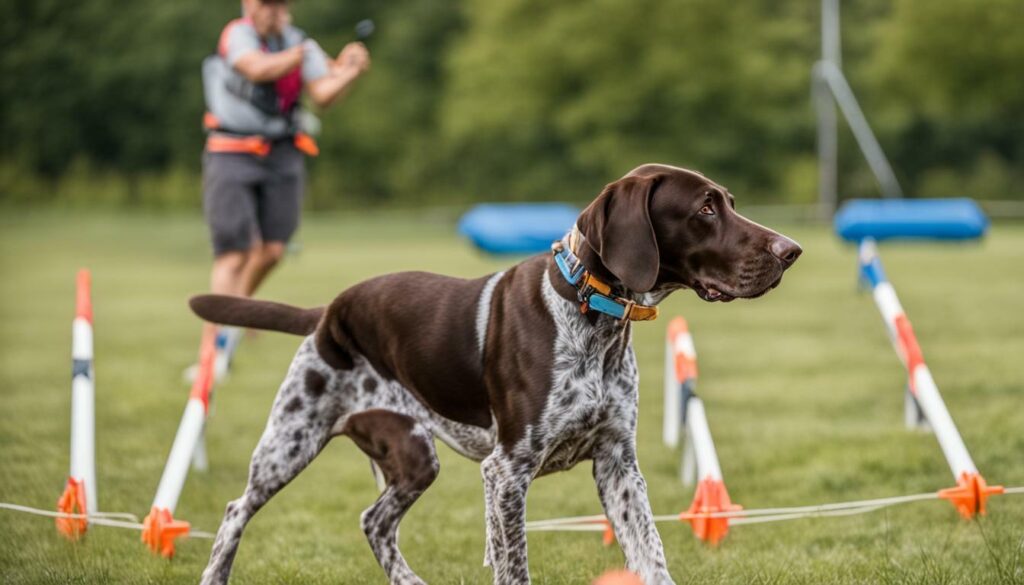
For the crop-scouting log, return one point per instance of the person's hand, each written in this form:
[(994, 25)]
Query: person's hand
[(296, 53), (354, 56)]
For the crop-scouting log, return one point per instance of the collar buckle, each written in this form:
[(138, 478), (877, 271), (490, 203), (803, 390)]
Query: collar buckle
[(627, 310), (583, 293)]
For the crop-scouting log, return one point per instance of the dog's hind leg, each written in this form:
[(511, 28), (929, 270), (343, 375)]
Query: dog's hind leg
[(404, 451), (298, 428)]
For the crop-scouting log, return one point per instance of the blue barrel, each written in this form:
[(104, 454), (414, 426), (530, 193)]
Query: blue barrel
[(517, 228), (886, 219)]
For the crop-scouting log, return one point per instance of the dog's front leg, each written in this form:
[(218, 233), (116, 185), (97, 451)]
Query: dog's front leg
[(506, 480), (623, 494)]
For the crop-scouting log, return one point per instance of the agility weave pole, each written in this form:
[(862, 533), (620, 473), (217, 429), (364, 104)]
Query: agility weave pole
[(79, 497), (680, 379), (700, 460), (77, 506), (225, 344), (711, 496), (971, 490), (160, 528)]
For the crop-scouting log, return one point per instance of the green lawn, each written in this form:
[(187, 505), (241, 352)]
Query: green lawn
[(803, 391)]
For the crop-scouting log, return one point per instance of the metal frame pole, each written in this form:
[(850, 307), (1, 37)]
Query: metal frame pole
[(828, 136), (829, 87)]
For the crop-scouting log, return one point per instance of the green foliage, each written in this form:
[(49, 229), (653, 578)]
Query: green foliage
[(604, 86), (115, 82), (521, 99), (948, 84)]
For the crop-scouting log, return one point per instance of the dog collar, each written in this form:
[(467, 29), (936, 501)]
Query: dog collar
[(590, 290)]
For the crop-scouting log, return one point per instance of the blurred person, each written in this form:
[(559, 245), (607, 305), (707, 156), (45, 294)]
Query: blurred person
[(253, 167)]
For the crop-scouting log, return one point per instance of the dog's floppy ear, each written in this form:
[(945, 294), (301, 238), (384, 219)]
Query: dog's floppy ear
[(617, 226)]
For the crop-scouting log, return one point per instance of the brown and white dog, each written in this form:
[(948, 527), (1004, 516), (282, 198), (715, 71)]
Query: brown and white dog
[(505, 369)]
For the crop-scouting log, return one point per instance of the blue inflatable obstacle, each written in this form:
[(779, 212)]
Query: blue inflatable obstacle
[(517, 228), (884, 219)]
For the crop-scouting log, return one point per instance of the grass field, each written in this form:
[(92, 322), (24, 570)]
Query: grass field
[(804, 395)]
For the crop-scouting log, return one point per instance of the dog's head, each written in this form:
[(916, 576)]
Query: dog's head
[(662, 227)]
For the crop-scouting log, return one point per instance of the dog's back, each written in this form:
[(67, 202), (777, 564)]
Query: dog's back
[(414, 327)]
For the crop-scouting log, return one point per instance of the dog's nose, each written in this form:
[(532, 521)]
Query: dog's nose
[(785, 249)]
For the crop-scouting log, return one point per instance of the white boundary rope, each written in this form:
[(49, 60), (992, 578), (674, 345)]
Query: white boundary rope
[(597, 523), (129, 521), (594, 523)]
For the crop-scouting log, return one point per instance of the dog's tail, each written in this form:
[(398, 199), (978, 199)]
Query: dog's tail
[(244, 312)]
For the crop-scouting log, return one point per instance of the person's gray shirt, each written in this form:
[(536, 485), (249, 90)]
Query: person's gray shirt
[(225, 88)]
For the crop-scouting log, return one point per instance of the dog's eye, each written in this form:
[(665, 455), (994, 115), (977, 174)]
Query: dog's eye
[(707, 210)]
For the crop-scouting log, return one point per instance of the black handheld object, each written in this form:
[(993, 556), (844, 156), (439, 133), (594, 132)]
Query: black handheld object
[(364, 29)]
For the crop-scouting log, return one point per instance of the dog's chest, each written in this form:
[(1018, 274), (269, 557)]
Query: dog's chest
[(581, 409), (570, 449), (594, 382)]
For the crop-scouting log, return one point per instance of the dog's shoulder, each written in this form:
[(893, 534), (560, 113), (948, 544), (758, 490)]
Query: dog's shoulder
[(518, 349), (517, 307)]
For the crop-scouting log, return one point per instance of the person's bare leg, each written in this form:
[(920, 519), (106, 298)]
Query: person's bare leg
[(263, 257), (226, 278), (228, 270), (239, 274)]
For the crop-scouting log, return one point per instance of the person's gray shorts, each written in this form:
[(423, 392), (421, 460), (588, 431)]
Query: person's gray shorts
[(247, 198)]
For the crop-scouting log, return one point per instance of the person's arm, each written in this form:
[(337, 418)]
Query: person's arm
[(353, 61), (260, 67)]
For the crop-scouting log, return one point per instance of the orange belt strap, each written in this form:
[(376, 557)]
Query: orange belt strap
[(306, 145), (244, 144), (257, 145)]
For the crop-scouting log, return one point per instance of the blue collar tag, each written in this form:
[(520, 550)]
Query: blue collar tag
[(603, 304)]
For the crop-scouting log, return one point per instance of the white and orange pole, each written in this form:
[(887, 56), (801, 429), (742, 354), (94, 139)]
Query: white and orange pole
[(711, 496), (226, 344), (971, 491), (680, 378), (79, 495), (160, 529), (684, 413)]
